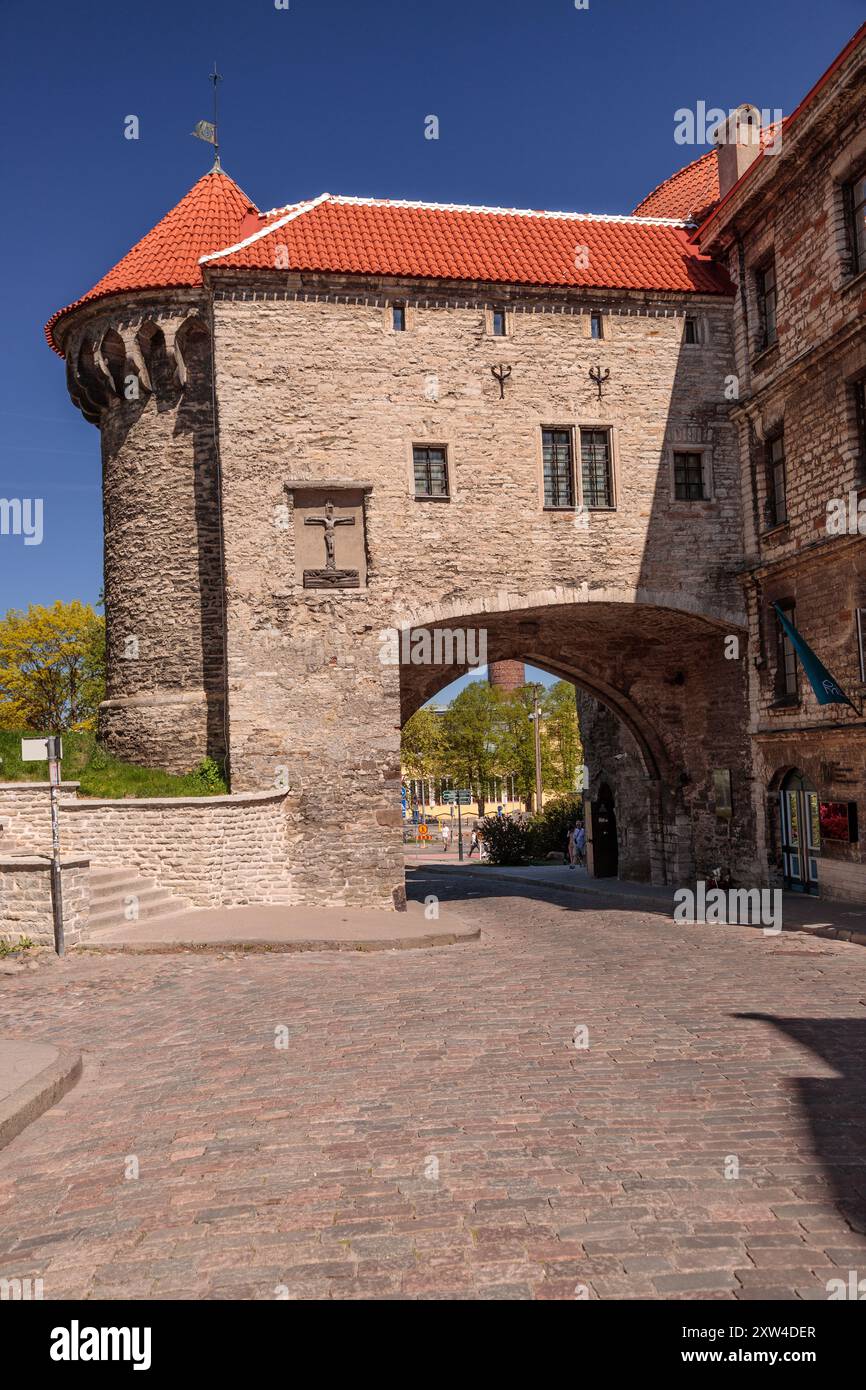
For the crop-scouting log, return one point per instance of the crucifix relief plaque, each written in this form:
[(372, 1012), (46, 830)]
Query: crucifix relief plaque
[(330, 550), (330, 577)]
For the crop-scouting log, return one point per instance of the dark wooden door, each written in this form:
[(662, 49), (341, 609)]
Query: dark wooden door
[(605, 854)]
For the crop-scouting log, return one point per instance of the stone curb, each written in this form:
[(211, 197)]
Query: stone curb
[(641, 903), (38, 1094), (251, 946)]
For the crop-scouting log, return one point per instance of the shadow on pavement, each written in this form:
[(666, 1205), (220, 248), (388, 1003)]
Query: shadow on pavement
[(834, 1106)]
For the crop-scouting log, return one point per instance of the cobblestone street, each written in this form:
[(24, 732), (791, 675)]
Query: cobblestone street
[(430, 1130)]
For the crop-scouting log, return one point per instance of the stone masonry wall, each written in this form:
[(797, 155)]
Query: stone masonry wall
[(218, 851), (164, 703), (313, 386), (25, 815), (26, 908)]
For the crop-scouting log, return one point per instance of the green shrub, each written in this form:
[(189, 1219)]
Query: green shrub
[(210, 777), (550, 829), (506, 840)]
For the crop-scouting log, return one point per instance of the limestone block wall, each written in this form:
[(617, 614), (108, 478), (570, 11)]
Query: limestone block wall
[(164, 703), (313, 386), (26, 902), (25, 815), (219, 851)]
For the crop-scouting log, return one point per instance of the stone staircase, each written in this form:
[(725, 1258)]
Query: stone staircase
[(119, 898)]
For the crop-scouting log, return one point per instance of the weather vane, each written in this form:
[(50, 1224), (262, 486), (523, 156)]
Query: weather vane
[(209, 130)]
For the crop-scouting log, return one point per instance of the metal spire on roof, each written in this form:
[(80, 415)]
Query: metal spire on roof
[(209, 130), (216, 77)]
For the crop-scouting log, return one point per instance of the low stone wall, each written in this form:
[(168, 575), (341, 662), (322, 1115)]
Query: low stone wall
[(218, 851), (25, 815), (25, 898)]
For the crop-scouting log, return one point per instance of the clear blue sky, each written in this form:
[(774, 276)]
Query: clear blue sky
[(540, 105)]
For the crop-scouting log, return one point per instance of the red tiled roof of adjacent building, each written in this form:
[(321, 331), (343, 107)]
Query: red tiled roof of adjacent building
[(216, 227), (214, 213), (371, 236), (689, 194)]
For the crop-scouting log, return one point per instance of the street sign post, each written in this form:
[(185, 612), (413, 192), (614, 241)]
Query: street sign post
[(37, 750), (464, 798)]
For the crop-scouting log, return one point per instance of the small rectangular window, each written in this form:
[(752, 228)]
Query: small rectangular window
[(596, 326), (398, 318), (857, 221), (861, 641), (787, 678), (595, 470), (860, 413), (689, 477), (776, 505), (690, 330), (766, 286), (558, 468), (431, 470), (499, 324)]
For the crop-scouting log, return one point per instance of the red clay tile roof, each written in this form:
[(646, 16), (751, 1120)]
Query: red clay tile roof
[(367, 236), (688, 194), (211, 215), (215, 226), (693, 191)]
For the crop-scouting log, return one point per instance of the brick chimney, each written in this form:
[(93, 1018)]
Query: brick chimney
[(738, 144)]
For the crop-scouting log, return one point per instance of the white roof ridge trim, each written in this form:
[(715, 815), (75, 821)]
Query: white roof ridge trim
[(298, 210), (351, 200)]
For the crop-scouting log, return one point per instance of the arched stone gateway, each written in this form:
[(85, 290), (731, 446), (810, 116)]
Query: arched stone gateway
[(655, 696), (302, 484)]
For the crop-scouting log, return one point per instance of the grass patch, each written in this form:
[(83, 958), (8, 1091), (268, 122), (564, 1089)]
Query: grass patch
[(100, 775), (14, 948)]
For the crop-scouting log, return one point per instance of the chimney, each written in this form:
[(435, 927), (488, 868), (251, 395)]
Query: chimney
[(738, 143), (506, 675)]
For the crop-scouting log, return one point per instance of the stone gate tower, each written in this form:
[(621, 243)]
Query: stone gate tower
[(348, 421)]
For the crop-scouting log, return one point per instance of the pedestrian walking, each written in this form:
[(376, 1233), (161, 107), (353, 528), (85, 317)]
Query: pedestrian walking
[(446, 837), (579, 844), (474, 844)]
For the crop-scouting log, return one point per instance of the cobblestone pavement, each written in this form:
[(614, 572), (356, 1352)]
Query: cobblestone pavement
[(430, 1129)]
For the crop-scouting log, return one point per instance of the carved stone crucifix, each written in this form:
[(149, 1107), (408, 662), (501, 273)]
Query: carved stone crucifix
[(329, 521)]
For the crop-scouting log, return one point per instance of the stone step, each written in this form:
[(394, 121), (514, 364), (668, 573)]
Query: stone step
[(102, 877), (166, 906), (115, 893), (111, 890)]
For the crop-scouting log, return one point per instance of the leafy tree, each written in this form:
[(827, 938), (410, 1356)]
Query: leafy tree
[(470, 735), (517, 742), (52, 668), (421, 744), (561, 734)]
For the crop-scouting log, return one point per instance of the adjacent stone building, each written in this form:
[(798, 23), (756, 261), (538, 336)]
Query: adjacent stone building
[(791, 229), (342, 437)]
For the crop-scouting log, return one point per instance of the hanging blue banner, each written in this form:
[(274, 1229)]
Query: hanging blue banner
[(827, 690)]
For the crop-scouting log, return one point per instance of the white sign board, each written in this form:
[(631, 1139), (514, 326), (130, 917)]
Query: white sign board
[(35, 750)]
